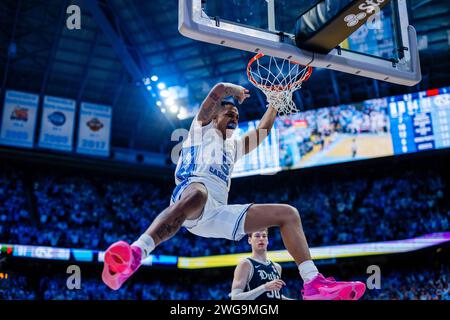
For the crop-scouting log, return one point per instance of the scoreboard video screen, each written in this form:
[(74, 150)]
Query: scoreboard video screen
[(374, 128), (420, 121)]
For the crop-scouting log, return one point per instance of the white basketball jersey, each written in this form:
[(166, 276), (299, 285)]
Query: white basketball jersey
[(206, 157)]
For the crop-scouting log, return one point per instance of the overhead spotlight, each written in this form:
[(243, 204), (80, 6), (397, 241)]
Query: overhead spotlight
[(154, 78), (173, 109), (163, 110), (164, 93), (159, 103), (182, 114), (161, 86), (146, 81), (149, 88), (170, 101)]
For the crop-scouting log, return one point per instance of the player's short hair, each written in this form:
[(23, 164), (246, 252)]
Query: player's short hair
[(265, 229), (223, 103)]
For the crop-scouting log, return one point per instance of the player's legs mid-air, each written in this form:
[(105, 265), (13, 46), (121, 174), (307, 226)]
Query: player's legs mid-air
[(122, 260)]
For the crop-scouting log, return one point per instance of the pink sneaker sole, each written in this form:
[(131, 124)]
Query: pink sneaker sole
[(118, 256), (117, 262), (350, 291), (357, 291)]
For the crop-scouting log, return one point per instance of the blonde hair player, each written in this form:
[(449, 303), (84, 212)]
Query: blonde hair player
[(200, 200), (256, 277)]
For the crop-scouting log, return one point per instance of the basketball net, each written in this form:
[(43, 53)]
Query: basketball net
[(278, 79)]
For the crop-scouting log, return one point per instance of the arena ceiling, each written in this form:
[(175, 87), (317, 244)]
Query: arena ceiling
[(121, 42)]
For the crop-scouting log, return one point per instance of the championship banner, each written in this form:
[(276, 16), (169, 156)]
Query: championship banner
[(94, 129), (19, 119), (57, 124)]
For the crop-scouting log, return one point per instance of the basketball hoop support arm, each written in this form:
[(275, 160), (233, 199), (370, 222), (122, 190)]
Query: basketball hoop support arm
[(271, 15)]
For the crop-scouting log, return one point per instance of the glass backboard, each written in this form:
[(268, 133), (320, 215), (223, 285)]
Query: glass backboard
[(385, 48)]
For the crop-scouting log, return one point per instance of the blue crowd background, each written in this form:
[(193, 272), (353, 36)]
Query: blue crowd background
[(415, 283), (84, 211)]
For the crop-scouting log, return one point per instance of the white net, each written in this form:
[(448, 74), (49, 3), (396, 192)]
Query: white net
[(278, 79)]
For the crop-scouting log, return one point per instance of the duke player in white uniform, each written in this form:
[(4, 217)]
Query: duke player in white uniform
[(199, 201)]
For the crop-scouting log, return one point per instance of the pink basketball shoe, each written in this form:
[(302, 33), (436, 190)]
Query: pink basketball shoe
[(321, 288), (121, 261)]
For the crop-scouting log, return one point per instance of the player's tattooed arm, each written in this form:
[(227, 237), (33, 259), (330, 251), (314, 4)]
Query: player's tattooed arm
[(237, 92), (212, 102)]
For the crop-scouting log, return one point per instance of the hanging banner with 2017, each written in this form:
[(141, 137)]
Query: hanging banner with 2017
[(94, 129)]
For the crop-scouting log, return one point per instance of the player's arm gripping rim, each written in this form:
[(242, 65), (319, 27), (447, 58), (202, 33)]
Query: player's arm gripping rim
[(241, 275), (212, 102), (252, 139)]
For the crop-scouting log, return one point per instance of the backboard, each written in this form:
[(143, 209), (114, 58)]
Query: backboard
[(384, 48)]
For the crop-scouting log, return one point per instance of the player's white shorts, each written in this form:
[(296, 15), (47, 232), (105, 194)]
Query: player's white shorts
[(218, 220)]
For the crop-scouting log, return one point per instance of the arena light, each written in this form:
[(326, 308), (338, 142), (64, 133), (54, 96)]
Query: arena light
[(154, 78), (182, 114), (170, 101), (161, 86), (149, 88), (174, 109), (164, 93), (163, 110), (159, 103), (146, 81)]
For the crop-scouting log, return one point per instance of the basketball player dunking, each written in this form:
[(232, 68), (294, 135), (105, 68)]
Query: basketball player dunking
[(256, 277), (199, 200)]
